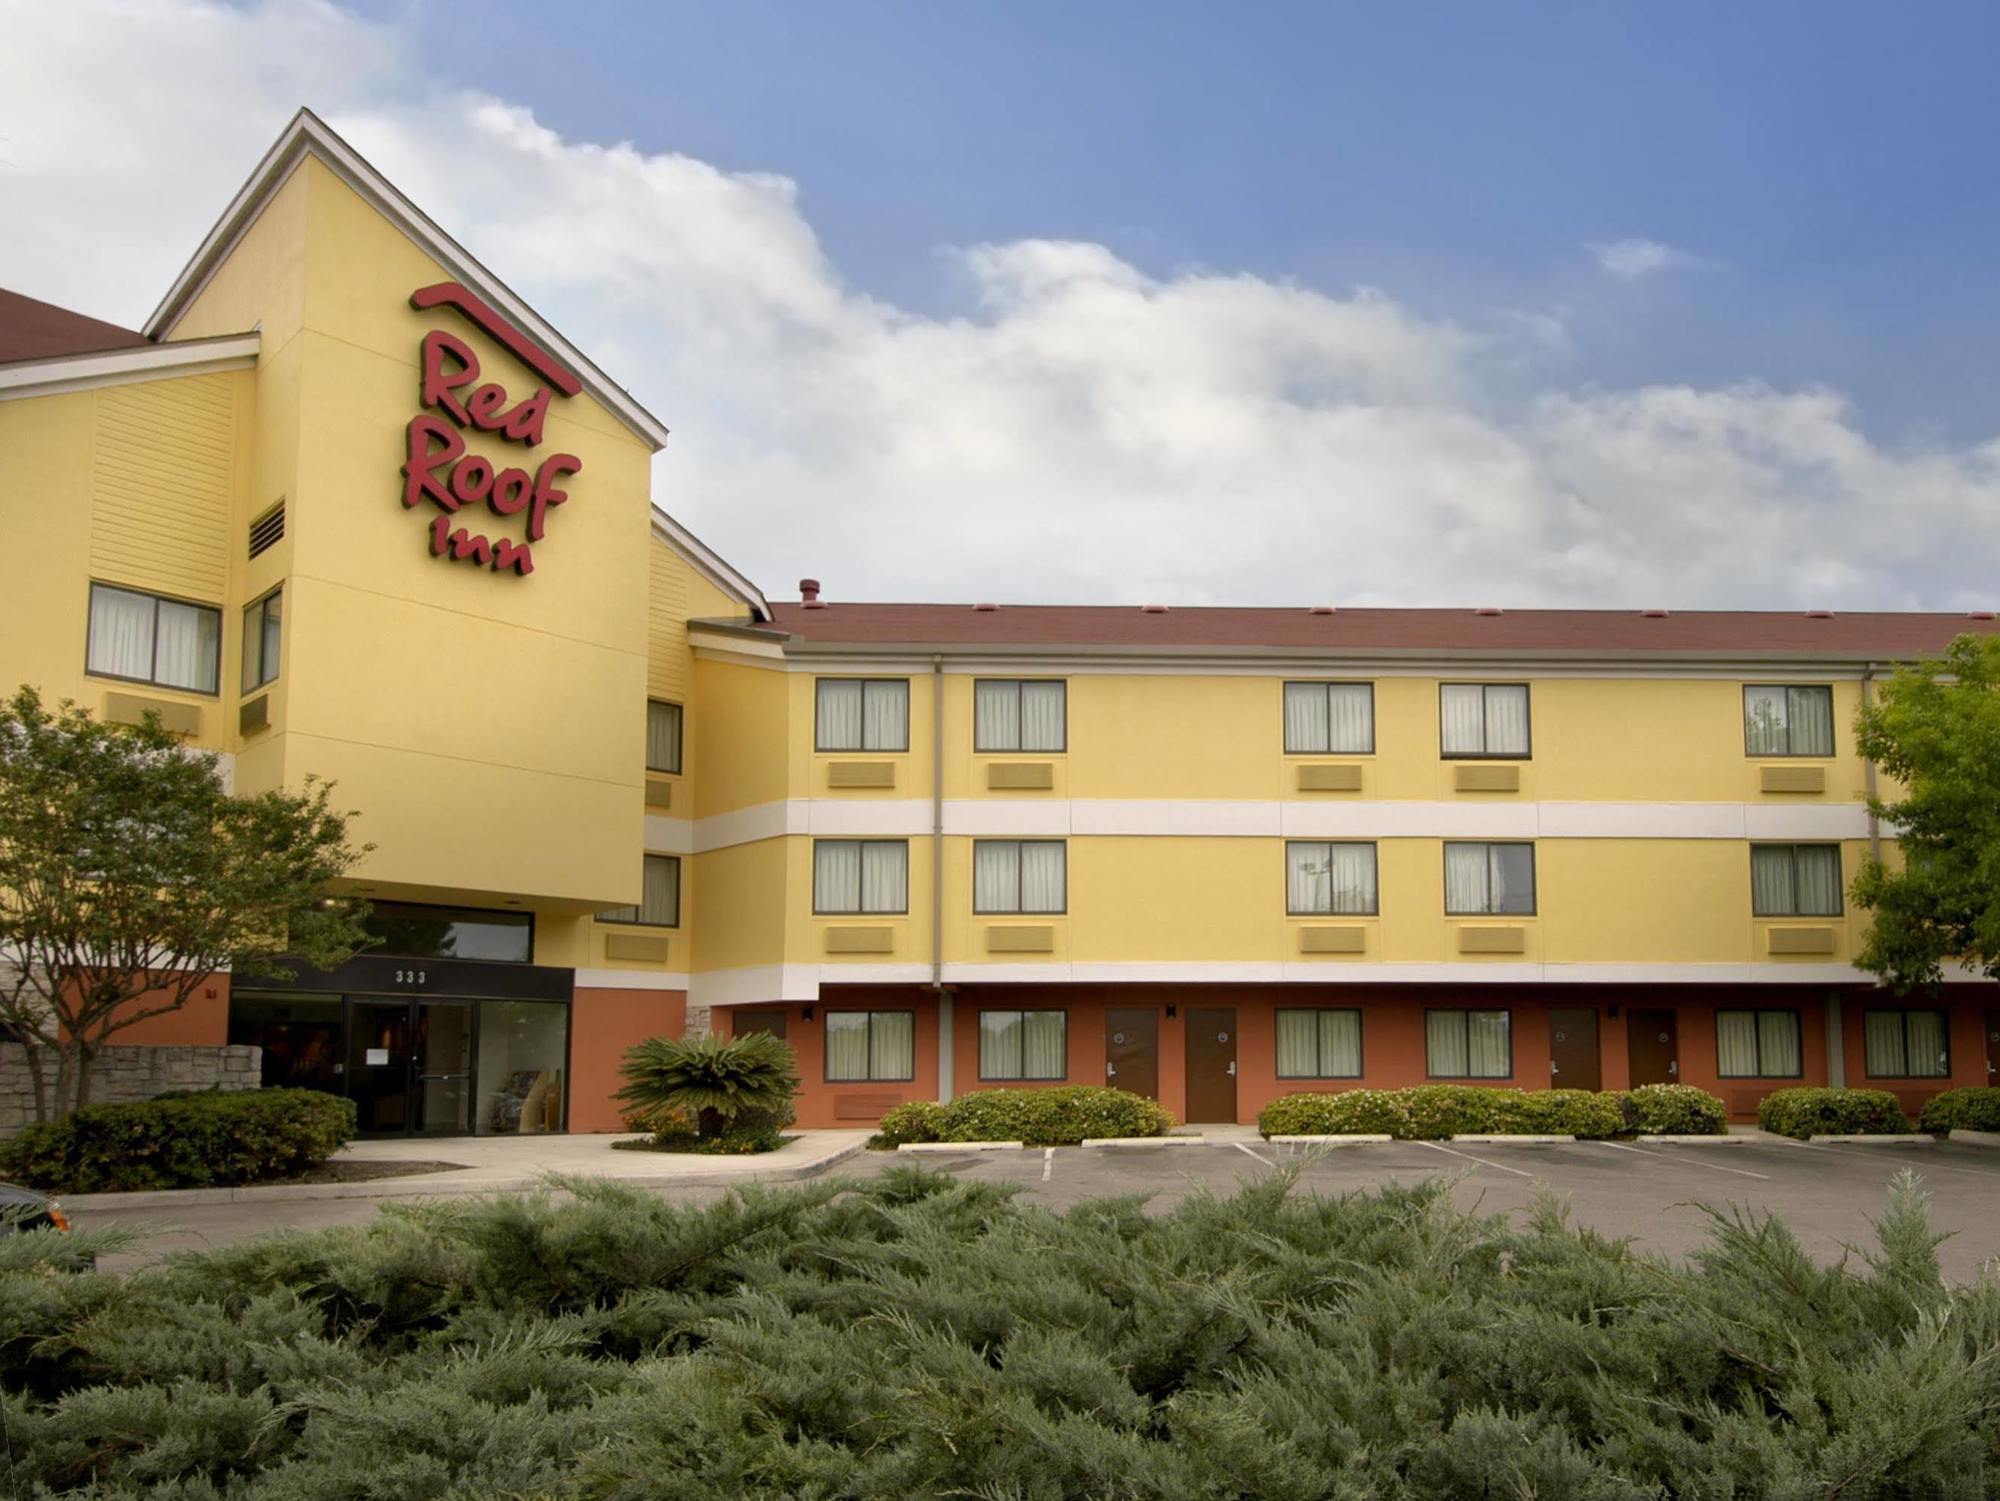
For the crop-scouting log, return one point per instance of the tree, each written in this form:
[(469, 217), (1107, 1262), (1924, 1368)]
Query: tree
[(714, 1083), (130, 875), (1935, 730)]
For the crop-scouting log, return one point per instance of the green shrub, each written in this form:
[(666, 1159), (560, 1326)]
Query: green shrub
[(1057, 1117), (202, 1140), (1432, 1112), (1673, 1110), (1832, 1112), (914, 1121), (739, 1088), (1975, 1109)]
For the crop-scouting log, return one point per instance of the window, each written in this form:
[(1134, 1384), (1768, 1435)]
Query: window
[(1319, 1044), (1019, 875), (1023, 1045), (863, 714), (663, 736), (147, 639), (1330, 719), (416, 931), (1907, 1044), (1329, 878), (1009, 714), (1795, 880), (659, 900), (861, 875), (262, 629), (873, 1047), (1758, 1045), (1468, 1044), (1483, 719), (1489, 880), (1783, 721)]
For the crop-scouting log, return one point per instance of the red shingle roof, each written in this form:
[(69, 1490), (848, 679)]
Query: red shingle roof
[(1872, 634), (32, 330)]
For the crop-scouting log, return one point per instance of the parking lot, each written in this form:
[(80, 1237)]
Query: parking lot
[(1825, 1193)]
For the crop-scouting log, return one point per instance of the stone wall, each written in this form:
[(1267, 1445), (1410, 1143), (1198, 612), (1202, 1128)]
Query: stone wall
[(130, 1073)]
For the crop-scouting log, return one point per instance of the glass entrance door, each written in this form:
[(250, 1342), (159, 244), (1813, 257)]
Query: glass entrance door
[(409, 1067)]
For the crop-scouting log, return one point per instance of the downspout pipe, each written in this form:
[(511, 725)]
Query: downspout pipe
[(946, 1058)]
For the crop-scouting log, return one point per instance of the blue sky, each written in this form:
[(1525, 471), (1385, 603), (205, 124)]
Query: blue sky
[(1829, 167), (1618, 305)]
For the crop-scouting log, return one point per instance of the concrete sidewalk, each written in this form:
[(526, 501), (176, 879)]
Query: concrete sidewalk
[(494, 1164)]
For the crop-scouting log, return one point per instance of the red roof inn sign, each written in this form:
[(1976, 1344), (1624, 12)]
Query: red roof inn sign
[(438, 468)]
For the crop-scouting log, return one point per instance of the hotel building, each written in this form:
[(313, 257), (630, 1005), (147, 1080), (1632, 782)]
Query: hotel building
[(347, 507)]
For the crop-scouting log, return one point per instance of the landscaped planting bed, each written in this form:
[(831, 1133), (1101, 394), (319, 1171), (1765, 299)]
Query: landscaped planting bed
[(919, 1335), (1805, 1113), (1057, 1117), (1433, 1112), (1976, 1109)]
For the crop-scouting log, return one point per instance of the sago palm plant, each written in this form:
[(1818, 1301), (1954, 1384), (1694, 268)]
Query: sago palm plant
[(714, 1083)]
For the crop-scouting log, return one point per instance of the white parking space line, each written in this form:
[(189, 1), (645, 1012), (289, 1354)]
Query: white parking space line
[(1684, 1160), (1480, 1160), (1250, 1154), (1048, 1162), (1912, 1158)]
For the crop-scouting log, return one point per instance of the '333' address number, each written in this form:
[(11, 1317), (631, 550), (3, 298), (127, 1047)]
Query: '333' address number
[(409, 977)]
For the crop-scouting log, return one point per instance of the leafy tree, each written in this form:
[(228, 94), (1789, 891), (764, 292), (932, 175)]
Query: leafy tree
[(130, 875), (714, 1083), (1935, 730)]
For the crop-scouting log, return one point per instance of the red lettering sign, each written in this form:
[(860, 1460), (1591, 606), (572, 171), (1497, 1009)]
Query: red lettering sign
[(436, 466)]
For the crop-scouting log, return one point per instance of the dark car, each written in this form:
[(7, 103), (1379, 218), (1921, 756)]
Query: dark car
[(24, 1209)]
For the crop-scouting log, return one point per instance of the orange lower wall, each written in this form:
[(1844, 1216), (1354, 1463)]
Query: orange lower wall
[(603, 1025), (1968, 1046), (202, 1022), (824, 1105)]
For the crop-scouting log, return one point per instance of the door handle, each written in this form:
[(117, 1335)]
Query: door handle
[(1673, 1065), (1232, 1068), (1110, 1070), (1553, 1070)]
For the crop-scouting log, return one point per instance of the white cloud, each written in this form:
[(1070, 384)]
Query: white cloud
[(1629, 260), (1081, 430)]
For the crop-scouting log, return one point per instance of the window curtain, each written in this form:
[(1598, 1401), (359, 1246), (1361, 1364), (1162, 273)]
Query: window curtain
[(1340, 1044), (996, 875), (1042, 876), (1513, 878), (839, 714), (1462, 713), (1817, 879), (892, 1044), (189, 650), (1925, 1043), (1465, 878), (253, 646), (274, 624), (1298, 1045), (997, 707), (1809, 721), (1736, 1044), (1882, 1031), (1000, 1044), (1764, 721), (663, 737), (1487, 1052), (121, 633), (1771, 892), (1043, 716), (1445, 1044), (1351, 715), (1777, 1044), (1045, 1045), (837, 875), (885, 718), (1308, 724), (846, 1046), (885, 876), (661, 903), (1308, 878), (1507, 720)]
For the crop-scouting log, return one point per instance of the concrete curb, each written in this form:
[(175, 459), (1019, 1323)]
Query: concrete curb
[(1503, 1139), (1975, 1138), (423, 1187), (962, 1146), (1692, 1141), (1358, 1139), (1145, 1141), (1884, 1139)]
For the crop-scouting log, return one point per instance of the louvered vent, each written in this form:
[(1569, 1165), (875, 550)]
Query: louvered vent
[(267, 529)]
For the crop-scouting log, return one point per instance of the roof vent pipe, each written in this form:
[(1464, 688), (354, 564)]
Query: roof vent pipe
[(1819, 614), (1152, 609), (1489, 610), (1656, 614), (984, 608), (809, 594), (1320, 610), (1978, 614)]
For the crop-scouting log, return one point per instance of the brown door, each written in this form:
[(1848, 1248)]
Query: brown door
[(746, 1022), (1132, 1050), (1993, 1047), (1573, 1049), (1653, 1043), (1211, 1063)]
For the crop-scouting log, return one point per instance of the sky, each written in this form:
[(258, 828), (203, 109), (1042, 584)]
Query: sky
[(1461, 303)]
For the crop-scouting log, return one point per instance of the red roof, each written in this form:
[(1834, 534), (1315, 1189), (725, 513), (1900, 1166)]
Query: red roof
[(1862, 635), (32, 330)]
